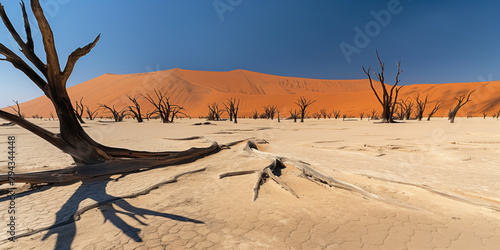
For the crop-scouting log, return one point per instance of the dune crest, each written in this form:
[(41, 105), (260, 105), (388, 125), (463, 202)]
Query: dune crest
[(194, 90)]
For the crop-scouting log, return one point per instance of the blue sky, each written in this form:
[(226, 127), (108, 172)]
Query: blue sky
[(437, 41)]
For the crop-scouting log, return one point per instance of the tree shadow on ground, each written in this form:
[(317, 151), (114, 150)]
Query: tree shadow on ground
[(96, 190)]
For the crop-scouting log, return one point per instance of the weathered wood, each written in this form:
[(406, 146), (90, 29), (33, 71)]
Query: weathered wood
[(388, 98), (111, 167)]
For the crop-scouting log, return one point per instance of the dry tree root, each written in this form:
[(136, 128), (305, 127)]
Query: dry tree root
[(278, 162), (79, 212), (269, 172)]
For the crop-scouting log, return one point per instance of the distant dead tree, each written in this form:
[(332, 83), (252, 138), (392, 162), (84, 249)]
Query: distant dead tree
[(162, 105), (136, 109), (461, 102), (437, 106), (214, 112), (255, 114), (323, 113), (17, 109), (336, 114), (388, 98), (421, 104), (484, 115), (149, 114), (78, 109), (91, 114), (232, 107), (303, 103), (361, 115), (175, 109), (373, 114), (52, 116), (316, 115), (497, 114), (294, 114), (117, 115), (270, 111), (406, 108)]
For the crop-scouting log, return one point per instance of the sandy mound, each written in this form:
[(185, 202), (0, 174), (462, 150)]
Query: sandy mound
[(194, 90)]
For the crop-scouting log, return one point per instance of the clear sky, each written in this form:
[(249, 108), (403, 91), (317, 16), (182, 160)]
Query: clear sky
[(437, 41)]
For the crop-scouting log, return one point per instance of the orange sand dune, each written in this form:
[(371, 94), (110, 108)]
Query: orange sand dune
[(194, 90)]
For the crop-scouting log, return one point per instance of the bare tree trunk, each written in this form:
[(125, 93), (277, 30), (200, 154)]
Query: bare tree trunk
[(388, 100)]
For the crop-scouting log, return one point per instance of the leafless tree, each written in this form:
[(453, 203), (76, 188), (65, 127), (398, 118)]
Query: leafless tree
[(214, 112), (52, 116), (162, 105), (17, 109), (255, 114), (303, 103), (361, 115), (294, 114), (323, 113), (437, 106), (336, 114), (136, 109), (91, 114), (79, 110), (117, 115), (373, 114), (175, 109), (270, 111), (461, 101), (406, 108), (388, 98), (93, 159), (484, 115), (232, 107), (421, 104)]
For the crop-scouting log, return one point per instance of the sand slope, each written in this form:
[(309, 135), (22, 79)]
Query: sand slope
[(195, 89)]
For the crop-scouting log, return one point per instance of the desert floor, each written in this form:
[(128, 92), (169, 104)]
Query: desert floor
[(433, 185)]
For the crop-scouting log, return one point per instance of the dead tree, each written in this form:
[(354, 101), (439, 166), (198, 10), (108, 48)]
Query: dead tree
[(484, 115), (136, 109), (406, 108), (117, 115), (336, 114), (232, 107), (270, 111), (162, 105), (387, 98), (294, 115), (92, 158), (497, 114), (52, 116), (214, 112), (79, 110), (323, 113), (303, 103), (437, 106), (421, 104), (17, 109), (461, 102), (91, 114), (255, 114), (361, 115), (149, 114), (175, 109), (373, 114)]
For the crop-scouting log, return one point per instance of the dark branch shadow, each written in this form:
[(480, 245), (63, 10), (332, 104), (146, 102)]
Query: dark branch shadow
[(96, 190)]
